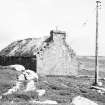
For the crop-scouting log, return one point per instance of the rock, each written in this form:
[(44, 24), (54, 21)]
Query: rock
[(100, 84), (17, 67), (21, 77), (100, 92), (44, 102), (31, 74), (41, 92), (30, 86), (78, 100), (0, 97)]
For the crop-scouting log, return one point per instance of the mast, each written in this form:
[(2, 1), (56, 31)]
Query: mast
[(96, 49)]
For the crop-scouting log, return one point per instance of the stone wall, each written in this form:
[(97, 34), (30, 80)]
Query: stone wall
[(56, 59), (27, 62)]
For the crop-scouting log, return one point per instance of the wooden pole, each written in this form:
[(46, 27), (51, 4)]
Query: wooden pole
[(96, 50)]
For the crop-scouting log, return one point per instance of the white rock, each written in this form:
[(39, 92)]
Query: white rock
[(21, 77), (30, 74), (17, 67), (30, 86), (44, 102), (41, 92), (100, 84), (100, 92), (78, 100), (0, 97)]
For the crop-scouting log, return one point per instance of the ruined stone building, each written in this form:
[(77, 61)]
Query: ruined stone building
[(53, 55)]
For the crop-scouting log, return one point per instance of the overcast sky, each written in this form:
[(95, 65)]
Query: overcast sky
[(20, 19)]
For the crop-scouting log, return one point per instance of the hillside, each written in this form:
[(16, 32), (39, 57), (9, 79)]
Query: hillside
[(89, 62), (87, 65)]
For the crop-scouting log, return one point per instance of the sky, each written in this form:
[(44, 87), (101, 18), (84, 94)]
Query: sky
[(21, 19)]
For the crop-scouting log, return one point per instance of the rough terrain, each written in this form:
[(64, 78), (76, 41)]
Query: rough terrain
[(58, 88)]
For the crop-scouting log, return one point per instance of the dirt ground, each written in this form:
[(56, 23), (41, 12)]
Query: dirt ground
[(58, 88)]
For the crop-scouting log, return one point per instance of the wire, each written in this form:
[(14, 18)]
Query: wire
[(88, 18)]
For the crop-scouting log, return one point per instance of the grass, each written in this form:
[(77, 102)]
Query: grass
[(58, 88), (88, 62)]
